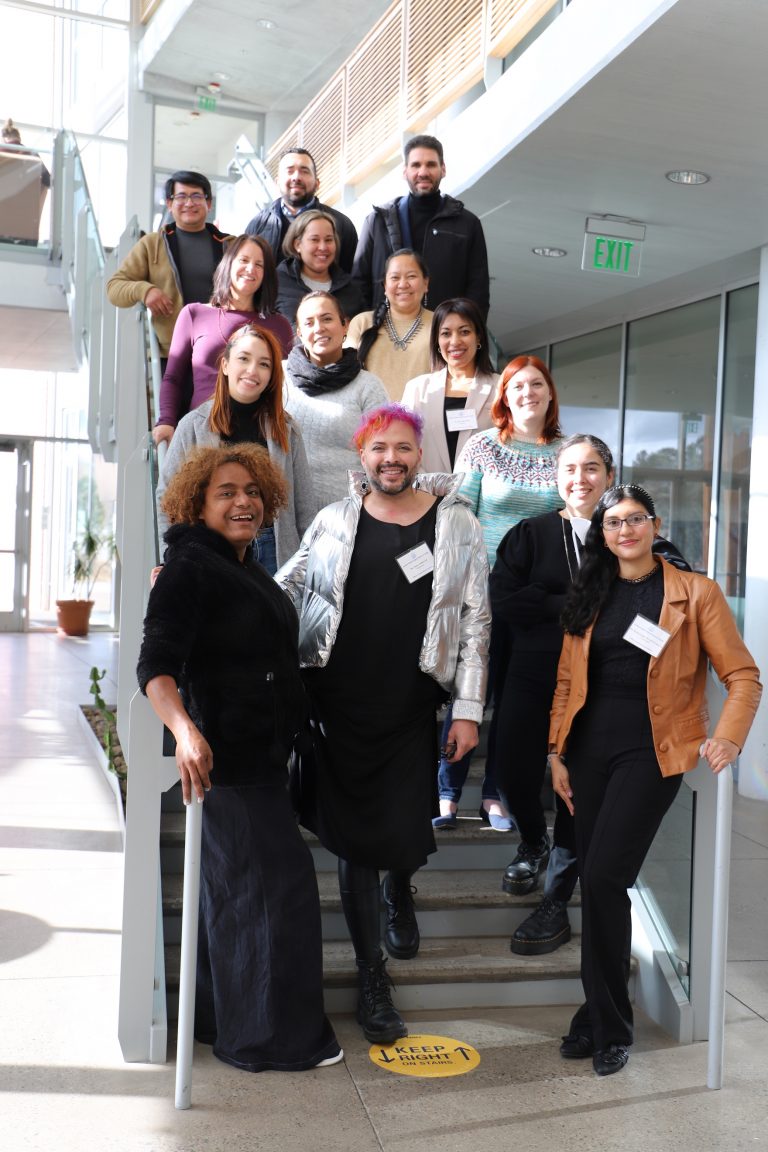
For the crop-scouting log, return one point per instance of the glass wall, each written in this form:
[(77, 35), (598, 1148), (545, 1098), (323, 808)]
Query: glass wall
[(587, 374), (735, 458)]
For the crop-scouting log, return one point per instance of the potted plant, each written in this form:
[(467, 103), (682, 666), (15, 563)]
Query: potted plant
[(90, 552)]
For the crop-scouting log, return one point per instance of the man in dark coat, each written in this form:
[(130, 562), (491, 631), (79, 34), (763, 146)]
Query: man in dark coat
[(298, 182), (448, 236)]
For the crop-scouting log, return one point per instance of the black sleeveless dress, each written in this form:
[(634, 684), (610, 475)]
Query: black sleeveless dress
[(376, 789)]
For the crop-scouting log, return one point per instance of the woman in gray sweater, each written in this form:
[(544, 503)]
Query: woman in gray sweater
[(247, 406), (326, 392)]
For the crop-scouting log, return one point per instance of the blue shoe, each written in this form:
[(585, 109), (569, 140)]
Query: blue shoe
[(449, 821), (498, 823)]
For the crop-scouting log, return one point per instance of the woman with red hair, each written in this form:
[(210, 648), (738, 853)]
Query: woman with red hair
[(510, 472)]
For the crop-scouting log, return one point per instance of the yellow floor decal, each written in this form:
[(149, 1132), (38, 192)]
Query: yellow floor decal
[(426, 1056)]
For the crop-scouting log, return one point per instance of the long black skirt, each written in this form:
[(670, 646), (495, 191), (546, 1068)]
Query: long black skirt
[(259, 964)]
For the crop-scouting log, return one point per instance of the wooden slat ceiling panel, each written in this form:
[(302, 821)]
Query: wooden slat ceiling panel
[(322, 130), (440, 49), (510, 20), (373, 108)]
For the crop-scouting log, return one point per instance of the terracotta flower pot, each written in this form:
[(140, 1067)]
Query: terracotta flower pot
[(73, 616)]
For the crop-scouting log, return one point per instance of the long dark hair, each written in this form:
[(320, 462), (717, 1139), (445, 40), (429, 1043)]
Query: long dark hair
[(599, 566), (370, 336), (469, 311), (268, 412), (265, 297)]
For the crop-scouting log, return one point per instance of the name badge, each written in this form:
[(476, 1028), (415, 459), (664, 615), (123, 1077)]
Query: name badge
[(646, 635), (461, 419), (416, 562)]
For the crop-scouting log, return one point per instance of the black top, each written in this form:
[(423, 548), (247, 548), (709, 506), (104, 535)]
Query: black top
[(452, 404), (616, 666), (228, 636), (375, 658), (535, 563), (197, 264), (245, 428)]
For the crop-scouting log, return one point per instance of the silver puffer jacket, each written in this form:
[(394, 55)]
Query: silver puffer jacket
[(455, 647)]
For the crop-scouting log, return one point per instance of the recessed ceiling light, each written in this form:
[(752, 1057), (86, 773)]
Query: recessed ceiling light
[(267, 25), (552, 252), (688, 177)]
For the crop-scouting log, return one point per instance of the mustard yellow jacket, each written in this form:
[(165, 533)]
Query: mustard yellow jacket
[(701, 627)]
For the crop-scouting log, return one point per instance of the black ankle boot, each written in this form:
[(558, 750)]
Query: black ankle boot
[(376, 1014), (401, 937), (522, 875)]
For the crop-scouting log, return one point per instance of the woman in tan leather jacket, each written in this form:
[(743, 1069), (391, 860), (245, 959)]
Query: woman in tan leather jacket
[(629, 716)]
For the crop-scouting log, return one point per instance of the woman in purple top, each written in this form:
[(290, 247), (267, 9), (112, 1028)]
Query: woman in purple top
[(244, 292)]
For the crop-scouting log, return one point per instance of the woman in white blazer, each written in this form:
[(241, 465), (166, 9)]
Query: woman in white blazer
[(455, 398)]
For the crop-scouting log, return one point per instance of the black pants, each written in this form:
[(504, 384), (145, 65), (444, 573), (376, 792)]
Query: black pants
[(620, 798), (520, 746)]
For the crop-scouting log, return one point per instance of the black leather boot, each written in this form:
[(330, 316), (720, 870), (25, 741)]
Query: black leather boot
[(376, 1014), (522, 875), (545, 930), (401, 937)]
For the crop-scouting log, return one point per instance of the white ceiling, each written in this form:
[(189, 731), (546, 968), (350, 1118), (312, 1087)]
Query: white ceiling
[(690, 92)]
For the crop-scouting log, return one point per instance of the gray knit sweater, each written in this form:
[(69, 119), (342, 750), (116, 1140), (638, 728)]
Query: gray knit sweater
[(328, 423)]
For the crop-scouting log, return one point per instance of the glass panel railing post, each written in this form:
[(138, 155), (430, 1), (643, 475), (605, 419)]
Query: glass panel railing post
[(720, 928)]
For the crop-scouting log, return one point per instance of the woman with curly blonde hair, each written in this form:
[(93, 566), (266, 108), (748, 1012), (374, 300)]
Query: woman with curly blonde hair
[(219, 664)]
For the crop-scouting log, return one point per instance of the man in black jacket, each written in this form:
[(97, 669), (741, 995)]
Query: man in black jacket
[(449, 237), (298, 182)]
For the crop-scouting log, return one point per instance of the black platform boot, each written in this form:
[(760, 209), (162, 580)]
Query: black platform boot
[(401, 937), (361, 901), (376, 1014)]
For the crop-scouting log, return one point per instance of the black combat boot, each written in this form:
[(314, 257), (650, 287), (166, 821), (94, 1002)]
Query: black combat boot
[(376, 1014), (401, 937)]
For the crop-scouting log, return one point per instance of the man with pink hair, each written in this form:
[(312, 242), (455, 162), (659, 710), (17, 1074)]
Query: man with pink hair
[(391, 587)]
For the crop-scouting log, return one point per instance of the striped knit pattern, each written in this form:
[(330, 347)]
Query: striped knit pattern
[(505, 483)]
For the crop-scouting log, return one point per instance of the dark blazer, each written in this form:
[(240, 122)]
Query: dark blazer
[(272, 224), (228, 636), (454, 251)]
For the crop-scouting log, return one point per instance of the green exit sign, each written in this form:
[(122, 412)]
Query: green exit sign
[(612, 246), (206, 103)]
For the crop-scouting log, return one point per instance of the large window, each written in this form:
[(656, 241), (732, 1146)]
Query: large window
[(669, 422), (587, 371)]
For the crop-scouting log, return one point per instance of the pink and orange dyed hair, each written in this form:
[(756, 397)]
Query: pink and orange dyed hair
[(379, 419), (500, 410)]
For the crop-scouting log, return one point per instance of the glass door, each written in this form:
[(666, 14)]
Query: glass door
[(15, 490)]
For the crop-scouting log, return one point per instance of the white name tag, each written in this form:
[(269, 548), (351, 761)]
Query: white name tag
[(416, 562), (646, 635), (461, 419)]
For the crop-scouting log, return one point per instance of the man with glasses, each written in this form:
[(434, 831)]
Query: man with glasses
[(167, 269)]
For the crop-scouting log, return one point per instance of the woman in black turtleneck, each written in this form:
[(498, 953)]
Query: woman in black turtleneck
[(247, 406)]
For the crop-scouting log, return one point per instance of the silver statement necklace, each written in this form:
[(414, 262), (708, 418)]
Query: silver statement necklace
[(401, 342)]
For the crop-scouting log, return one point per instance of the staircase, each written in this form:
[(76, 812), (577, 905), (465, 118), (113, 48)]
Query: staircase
[(465, 920)]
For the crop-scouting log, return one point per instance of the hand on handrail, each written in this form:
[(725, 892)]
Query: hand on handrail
[(718, 752)]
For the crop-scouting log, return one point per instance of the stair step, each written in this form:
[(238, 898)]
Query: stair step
[(460, 903), (447, 973)]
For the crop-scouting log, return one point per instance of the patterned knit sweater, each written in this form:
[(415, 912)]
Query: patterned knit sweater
[(505, 483)]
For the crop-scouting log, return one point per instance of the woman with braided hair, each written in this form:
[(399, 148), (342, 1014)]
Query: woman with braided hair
[(393, 342)]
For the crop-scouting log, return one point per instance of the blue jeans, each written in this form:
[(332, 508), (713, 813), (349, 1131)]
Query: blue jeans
[(452, 777), (265, 551)]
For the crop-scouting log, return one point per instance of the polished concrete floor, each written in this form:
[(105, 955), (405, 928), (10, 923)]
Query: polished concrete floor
[(64, 1086)]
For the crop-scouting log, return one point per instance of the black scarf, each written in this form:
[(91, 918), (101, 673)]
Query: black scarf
[(314, 379)]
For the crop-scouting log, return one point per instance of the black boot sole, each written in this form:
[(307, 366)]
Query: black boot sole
[(385, 1036), (540, 947), (401, 953), (519, 887)]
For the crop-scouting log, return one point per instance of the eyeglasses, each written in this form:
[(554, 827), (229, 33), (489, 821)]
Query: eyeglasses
[(636, 520), (191, 198)]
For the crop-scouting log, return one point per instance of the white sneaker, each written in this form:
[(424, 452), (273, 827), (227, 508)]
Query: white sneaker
[(337, 1059)]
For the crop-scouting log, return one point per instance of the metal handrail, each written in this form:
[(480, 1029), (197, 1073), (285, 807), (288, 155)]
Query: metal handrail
[(716, 1030)]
